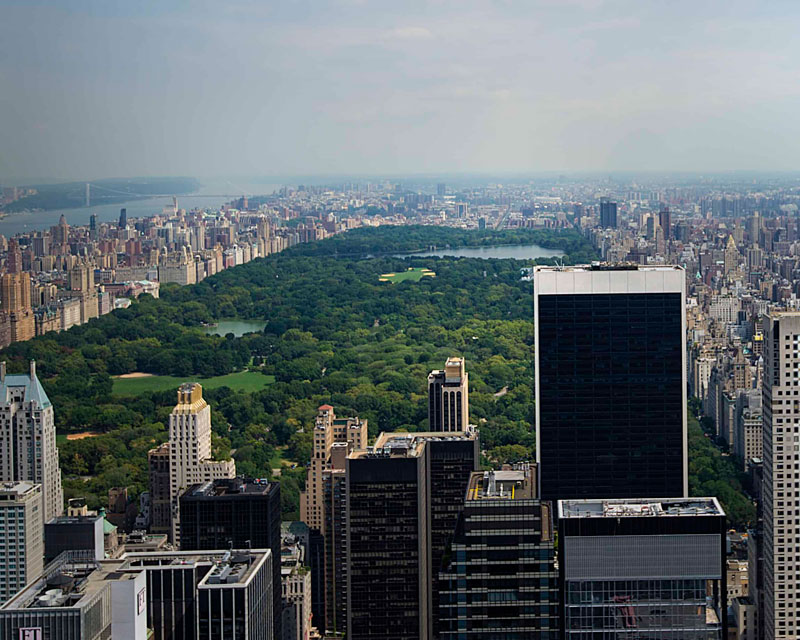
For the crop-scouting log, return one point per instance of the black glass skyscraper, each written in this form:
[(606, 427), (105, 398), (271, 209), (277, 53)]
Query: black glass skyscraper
[(235, 514), (608, 214), (610, 382)]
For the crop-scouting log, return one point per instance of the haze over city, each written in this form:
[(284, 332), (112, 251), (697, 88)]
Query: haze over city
[(96, 89)]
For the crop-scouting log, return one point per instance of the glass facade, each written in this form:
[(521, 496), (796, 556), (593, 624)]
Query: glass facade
[(501, 582), (642, 609), (610, 395)]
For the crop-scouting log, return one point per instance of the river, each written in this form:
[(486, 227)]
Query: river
[(15, 223), (514, 251)]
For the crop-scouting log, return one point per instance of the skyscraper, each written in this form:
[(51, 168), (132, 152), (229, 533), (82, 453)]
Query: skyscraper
[(501, 578), (404, 496), (328, 429), (665, 221), (190, 460), (608, 214), (388, 563), (28, 449), (123, 218), (22, 536), (781, 528), (642, 568), (448, 397), (610, 381), (235, 514)]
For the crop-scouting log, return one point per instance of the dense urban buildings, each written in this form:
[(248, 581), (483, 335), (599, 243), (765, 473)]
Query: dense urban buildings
[(610, 381), (448, 397), (28, 449), (501, 578), (205, 595), (642, 568)]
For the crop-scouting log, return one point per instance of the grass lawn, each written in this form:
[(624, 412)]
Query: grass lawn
[(415, 274), (240, 381)]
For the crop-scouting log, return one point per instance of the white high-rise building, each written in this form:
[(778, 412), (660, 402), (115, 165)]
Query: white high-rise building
[(21, 536), (28, 451), (190, 460), (781, 490)]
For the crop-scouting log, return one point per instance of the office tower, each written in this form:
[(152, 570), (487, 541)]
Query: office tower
[(448, 397), (334, 481), (608, 214), (295, 591), (642, 568), (452, 459), (21, 536), (235, 514), (74, 533), (501, 579), (163, 595), (190, 459), (610, 381), (93, 223), (781, 531), (328, 429), (665, 222), (461, 209), (404, 496), (28, 449), (123, 218), (159, 477), (388, 564), (441, 189)]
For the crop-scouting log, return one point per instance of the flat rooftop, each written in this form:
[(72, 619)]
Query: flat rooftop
[(14, 490), (72, 578), (639, 508), (230, 487), (515, 484), (408, 445), (610, 266)]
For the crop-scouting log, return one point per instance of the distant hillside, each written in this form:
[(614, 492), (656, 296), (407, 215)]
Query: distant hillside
[(67, 195)]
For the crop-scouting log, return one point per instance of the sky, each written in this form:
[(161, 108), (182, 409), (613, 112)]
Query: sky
[(111, 88)]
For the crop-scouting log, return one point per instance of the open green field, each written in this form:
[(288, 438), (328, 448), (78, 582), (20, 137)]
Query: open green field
[(240, 381), (415, 274)]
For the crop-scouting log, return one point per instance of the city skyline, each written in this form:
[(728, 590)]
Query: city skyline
[(116, 89)]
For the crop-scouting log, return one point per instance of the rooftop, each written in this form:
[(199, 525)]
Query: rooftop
[(15, 490), (72, 578), (33, 390), (607, 266), (407, 445), (515, 484), (639, 508), (230, 487)]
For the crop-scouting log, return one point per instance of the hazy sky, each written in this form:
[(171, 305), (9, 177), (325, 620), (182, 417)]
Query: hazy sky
[(101, 88)]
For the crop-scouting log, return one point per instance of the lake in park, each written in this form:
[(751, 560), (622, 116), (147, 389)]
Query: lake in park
[(514, 251), (236, 327)]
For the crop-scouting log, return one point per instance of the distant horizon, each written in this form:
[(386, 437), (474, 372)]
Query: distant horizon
[(296, 179)]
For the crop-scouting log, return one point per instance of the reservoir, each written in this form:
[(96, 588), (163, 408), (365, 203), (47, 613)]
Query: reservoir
[(237, 327), (513, 251)]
